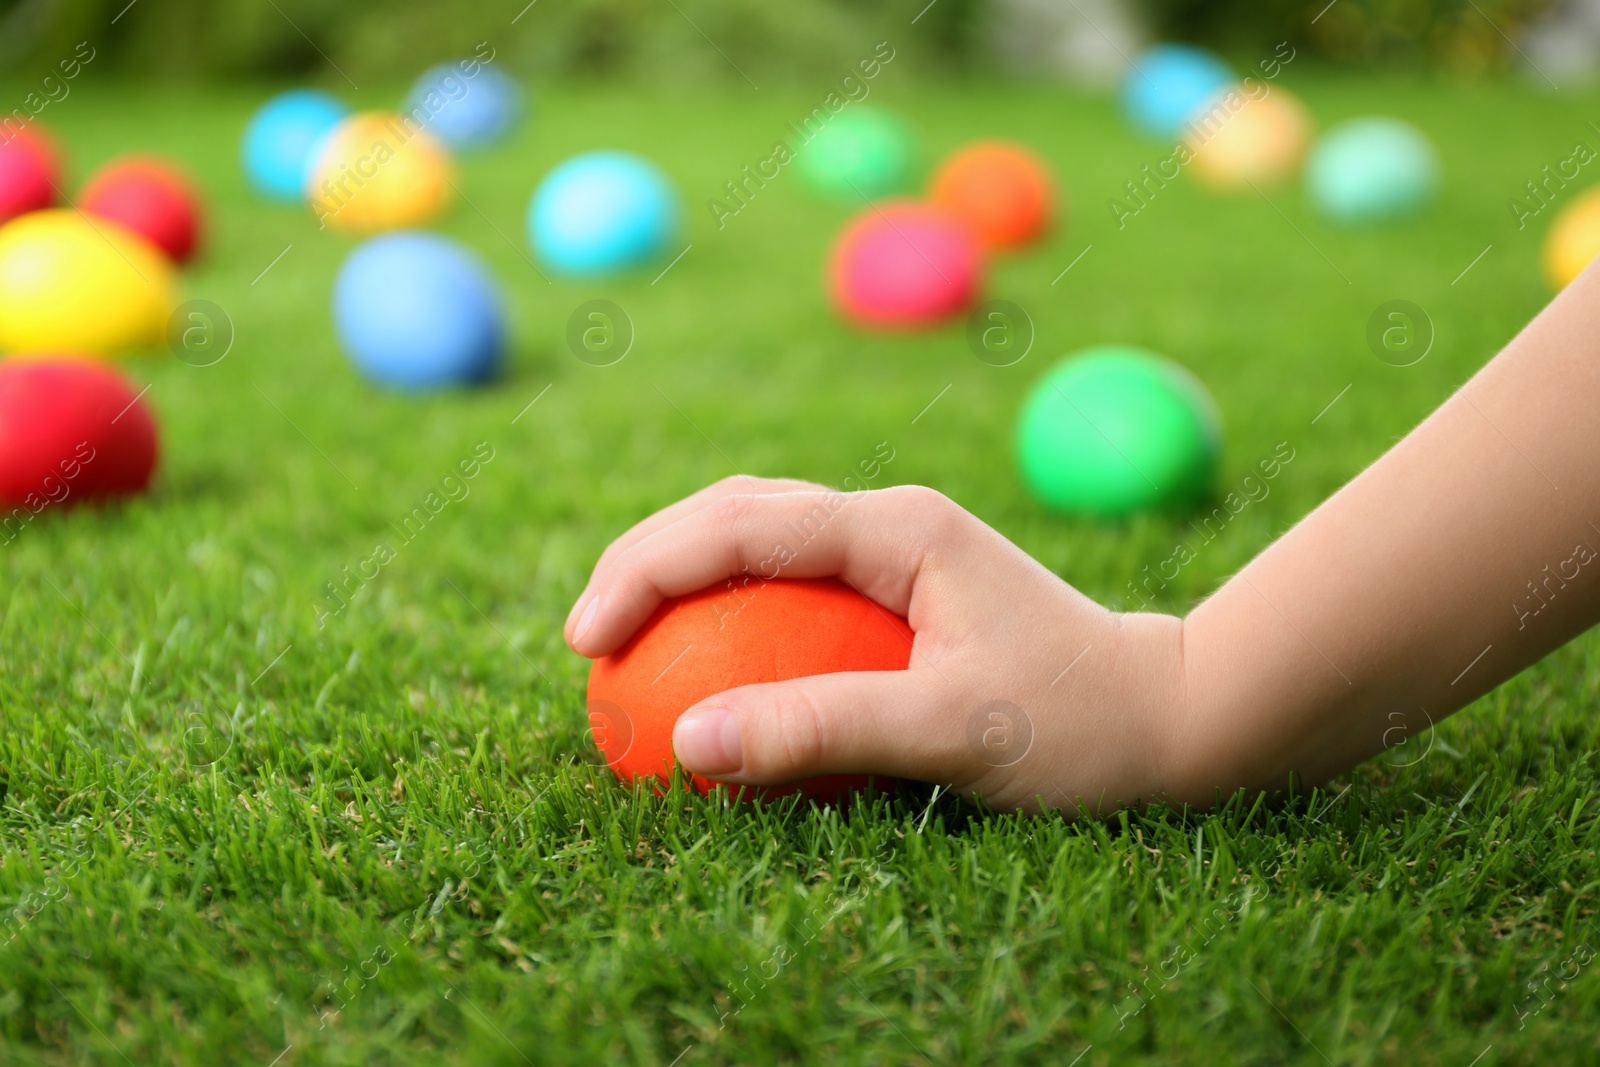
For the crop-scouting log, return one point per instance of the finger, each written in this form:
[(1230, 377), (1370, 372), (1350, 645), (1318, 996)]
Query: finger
[(873, 541), (735, 483), (868, 722)]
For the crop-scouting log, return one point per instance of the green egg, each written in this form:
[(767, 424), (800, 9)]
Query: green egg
[(1113, 430), (860, 153)]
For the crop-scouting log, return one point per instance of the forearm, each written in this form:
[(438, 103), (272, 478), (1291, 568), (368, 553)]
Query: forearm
[(1461, 556)]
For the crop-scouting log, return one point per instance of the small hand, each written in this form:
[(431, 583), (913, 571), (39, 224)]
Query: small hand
[(1020, 689)]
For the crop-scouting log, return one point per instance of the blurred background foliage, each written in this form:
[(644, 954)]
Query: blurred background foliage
[(663, 41), (650, 41), (1456, 36)]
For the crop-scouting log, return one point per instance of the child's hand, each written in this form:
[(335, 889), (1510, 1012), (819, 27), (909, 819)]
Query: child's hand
[(1020, 689)]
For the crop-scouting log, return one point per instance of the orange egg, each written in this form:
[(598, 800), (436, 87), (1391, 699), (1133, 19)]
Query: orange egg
[(1001, 189), (744, 632), (1262, 141)]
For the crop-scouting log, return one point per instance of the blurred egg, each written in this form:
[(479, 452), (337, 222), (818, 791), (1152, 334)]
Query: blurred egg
[(73, 283), (72, 430)]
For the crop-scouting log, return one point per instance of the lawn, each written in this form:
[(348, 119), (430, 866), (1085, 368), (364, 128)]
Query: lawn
[(235, 830)]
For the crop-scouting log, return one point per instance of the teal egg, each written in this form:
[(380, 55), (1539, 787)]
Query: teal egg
[(1372, 170)]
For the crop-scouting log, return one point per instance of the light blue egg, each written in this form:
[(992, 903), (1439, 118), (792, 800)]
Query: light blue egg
[(466, 111), (418, 311), (601, 212), (281, 139), (1169, 83), (1372, 170)]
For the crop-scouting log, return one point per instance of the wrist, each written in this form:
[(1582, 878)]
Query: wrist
[(1255, 715), (1148, 694)]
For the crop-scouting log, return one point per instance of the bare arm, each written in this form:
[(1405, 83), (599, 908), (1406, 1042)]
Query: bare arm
[(1465, 553)]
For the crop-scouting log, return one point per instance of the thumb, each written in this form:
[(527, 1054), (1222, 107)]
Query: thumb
[(867, 722)]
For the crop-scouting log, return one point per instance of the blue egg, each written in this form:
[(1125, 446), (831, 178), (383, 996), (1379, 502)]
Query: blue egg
[(418, 311), (281, 139), (1372, 170), (466, 110), (1169, 83), (602, 212)]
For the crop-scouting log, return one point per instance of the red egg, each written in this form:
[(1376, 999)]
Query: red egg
[(742, 633), (71, 430), (901, 264), (150, 197), (30, 170)]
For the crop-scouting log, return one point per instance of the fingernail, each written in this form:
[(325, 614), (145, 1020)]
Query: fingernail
[(707, 742), (585, 621)]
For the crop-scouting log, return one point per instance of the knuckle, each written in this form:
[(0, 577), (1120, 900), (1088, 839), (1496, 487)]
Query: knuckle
[(799, 485), (797, 735), (630, 588), (730, 521), (618, 564), (751, 485), (920, 499), (608, 558), (728, 515), (938, 518)]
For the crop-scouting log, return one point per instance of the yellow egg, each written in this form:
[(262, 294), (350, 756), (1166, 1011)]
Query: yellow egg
[(1242, 139), (379, 171), (72, 283), (1573, 239)]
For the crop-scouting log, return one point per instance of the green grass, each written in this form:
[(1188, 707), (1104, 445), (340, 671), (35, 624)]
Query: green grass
[(218, 814)]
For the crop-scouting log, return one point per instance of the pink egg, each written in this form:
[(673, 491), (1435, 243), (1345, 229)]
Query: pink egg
[(902, 264)]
